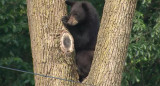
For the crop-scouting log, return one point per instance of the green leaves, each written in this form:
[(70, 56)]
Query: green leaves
[(15, 49), (144, 48), (14, 77)]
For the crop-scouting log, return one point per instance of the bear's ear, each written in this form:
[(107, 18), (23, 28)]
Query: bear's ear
[(85, 6), (69, 3)]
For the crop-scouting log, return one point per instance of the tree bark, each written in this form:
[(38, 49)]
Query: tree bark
[(52, 57), (112, 43), (48, 39)]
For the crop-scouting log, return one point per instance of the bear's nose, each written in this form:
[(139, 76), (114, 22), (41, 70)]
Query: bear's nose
[(72, 20)]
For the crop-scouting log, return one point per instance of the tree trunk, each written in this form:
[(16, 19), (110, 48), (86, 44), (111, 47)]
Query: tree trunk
[(51, 55), (112, 43)]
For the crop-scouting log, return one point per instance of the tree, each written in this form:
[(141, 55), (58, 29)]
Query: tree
[(46, 32), (112, 43), (50, 58)]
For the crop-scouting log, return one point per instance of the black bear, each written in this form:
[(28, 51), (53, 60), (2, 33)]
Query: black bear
[(83, 24)]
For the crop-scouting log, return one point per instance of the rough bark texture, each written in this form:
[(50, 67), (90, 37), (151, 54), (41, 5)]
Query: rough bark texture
[(46, 29), (112, 43)]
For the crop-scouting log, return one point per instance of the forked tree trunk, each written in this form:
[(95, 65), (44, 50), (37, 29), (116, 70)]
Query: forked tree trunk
[(46, 31), (112, 43), (52, 59)]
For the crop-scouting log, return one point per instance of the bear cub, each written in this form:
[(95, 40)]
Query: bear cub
[(83, 24)]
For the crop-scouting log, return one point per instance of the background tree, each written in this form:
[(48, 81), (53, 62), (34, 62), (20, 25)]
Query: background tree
[(142, 64)]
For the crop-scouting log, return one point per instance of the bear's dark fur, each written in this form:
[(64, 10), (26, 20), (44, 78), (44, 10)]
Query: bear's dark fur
[(83, 24)]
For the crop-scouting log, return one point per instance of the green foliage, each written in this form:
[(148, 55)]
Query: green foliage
[(15, 49), (143, 61), (14, 35), (14, 78)]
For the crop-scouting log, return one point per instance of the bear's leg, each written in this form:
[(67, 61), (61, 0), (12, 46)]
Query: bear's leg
[(84, 61)]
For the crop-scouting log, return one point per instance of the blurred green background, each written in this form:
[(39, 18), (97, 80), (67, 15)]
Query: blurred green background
[(142, 67)]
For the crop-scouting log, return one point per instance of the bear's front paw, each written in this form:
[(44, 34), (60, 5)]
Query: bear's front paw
[(64, 19)]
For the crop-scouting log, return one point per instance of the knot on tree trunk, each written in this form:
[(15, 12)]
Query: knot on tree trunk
[(66, 42)]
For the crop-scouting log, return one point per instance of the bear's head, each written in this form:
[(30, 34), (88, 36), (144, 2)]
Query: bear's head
[(78, 12)]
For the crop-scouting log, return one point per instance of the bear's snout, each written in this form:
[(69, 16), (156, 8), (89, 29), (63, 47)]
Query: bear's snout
[(72, 20)]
